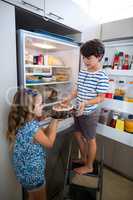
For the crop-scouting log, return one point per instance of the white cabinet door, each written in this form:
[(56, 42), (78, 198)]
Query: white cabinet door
[(66, 12), (117, 29), (35, 6)]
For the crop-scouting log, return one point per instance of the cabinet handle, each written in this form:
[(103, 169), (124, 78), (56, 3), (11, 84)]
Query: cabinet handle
[(54, 15), (28, 4)]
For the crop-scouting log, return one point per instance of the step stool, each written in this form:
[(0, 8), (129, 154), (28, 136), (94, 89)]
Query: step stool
[(83, 187)]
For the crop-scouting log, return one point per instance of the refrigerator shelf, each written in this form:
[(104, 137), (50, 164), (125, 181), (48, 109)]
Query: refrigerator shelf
[(48, 83), (36, 74), (128, 73), (44, 66), (117, 105), (115, 134)]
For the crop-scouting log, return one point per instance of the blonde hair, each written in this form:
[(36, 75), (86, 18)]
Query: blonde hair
[(22, 111)]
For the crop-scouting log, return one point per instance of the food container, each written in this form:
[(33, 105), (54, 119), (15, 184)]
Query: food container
[(120, 90), (111, 89), (104, 115), (47, 78), (129, 92), (128, 124)]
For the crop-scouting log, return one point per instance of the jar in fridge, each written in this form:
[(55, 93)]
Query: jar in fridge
[(120, 90), (114, 119), (128, 124), (120, 123), (111, 89), (129, 92), (103, 117)]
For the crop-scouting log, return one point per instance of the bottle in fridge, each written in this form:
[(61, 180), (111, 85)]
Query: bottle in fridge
[(116, 60), (111, 89), (126, 62), (129, 92), (120, 90)]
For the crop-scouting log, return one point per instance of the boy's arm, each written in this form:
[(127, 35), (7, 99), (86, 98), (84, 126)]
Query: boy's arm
[(96, 100), (100, 98)]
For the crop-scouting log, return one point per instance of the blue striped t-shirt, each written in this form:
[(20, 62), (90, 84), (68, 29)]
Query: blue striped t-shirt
[(89, 85)]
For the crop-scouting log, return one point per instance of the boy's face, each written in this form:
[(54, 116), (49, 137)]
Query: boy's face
[(91, 61)]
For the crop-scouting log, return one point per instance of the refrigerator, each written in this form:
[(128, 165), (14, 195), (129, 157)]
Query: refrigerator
[(50, 64), (118, 140)]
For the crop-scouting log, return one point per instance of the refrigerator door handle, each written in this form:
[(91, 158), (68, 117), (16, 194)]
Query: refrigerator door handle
[(28, 4)]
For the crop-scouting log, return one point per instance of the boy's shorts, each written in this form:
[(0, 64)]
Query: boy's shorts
[(87, 124)]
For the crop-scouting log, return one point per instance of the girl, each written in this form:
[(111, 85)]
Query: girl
[(29, 142)]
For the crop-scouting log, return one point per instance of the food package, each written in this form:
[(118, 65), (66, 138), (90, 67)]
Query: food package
[(53, 60)]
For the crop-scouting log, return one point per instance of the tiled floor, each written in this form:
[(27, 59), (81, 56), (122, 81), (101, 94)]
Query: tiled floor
[(116, 187)]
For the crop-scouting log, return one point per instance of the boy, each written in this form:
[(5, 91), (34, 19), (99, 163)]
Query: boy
[(91, 86)]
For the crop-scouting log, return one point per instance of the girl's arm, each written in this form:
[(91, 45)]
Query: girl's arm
[(47, 139)]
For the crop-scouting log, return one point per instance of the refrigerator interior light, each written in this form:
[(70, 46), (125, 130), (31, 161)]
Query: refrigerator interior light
[(44, 46)]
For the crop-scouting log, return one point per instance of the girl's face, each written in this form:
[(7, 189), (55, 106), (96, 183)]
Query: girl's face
[(92, 62), (38, 106)]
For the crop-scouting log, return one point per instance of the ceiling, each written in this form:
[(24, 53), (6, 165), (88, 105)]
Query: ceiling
[(105, 10)]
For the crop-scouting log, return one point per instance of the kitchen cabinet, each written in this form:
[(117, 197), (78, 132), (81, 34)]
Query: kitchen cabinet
[(122, 159), (117, 156), (117, 29), (66, 12), (30, 5), (108, 145)]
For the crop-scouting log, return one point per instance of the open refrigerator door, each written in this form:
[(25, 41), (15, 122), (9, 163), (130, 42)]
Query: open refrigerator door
[(116, 117), (50, 65)]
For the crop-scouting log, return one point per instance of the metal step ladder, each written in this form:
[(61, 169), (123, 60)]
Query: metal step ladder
[(79, 187)]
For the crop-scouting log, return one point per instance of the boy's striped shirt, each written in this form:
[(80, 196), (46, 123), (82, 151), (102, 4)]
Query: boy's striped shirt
[(89, 85)]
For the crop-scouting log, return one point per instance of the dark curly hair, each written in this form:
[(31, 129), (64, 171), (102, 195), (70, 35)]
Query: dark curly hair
[(93, 47)]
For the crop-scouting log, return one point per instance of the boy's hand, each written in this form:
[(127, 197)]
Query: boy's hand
[(82, 107), (66, 101)]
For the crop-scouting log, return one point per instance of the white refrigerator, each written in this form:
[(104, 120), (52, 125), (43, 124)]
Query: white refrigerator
[(50, 64)]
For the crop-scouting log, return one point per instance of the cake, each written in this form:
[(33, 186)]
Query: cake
[(62, 111)]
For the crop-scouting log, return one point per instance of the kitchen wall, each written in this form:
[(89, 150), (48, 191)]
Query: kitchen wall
[(92, 30), (9, 189)]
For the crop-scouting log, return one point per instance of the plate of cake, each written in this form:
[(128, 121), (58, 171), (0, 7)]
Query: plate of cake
[(62, 111)]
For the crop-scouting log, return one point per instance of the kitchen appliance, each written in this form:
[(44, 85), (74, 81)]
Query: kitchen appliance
[(50, 65)]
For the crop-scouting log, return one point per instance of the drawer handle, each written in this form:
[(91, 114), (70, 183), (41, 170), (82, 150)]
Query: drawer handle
[(54, 15), (28, 4)]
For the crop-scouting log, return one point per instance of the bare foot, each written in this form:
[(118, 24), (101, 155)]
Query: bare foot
[(83, 170)]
